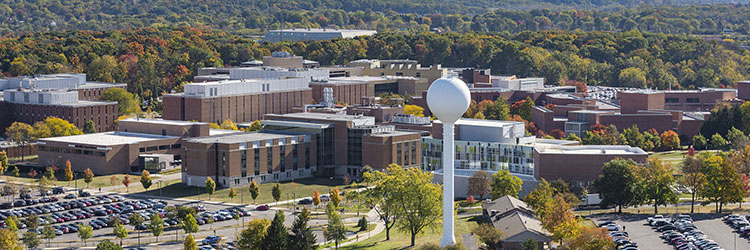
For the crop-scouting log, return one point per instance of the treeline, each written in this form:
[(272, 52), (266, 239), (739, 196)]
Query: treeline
[(251, 17), (155, 61)]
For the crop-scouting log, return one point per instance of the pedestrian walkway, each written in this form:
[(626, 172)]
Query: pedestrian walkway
[(379, 227)]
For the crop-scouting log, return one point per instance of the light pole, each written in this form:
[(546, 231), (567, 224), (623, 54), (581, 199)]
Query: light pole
[(448, 99)]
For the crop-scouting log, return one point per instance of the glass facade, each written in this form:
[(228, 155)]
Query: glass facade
[(517, 159)]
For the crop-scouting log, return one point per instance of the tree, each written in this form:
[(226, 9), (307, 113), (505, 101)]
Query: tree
[(16, 171), (126, 182), (381, 197), (252, 237), (68, 172), (335, 197), (105, 69), (107, 245), (136, 220), (531, 244), (418, 200), (146, 179), (736, 138), (504, 183), (127, 102), (210, 187), (480, 184), (316, 197), (335, 231), (538, 198), (634, 136), (573, 137), (120, 232), (362, 224), (717, 141), (48, 233), (50, 173), (591, 238), (659, 181), (670, 140), (32, 221), (31, 240), (700, 141), (113, 180), (190, 243), (413, 110), (189, 224), (276, 236), (232, 193), (632, 77), (560, 220), (10, 223), (9, 240), (156, 225), (692, 177), (254, 190), (723, 183), (3, 161), (499, 110), (489, 236), (54, 127), (44, 184), (21, 134), (302, 237), (276, 193), (617, 183), (85, 232), (525, 110), (254, 126), (89, 127)]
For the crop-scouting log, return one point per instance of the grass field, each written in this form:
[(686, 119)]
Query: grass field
[(299, 188), (98, 181), (401, 240)]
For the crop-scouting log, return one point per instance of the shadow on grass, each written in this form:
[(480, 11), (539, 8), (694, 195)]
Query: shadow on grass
[(177, 190)]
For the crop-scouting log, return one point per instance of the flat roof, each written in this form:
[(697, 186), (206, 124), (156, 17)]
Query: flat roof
[(311, 30), (162, 122), (214, 131), (107, 138), (483, 123), (393, 133), (293, 124), (79, 103), (242, 137), (93, 85), (325, 116), (591, 150)]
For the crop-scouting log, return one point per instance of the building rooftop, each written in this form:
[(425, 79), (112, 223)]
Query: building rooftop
[(242, 137), (482, 123), (292, 124), (591, 150), (81, 103), (107, 138), (162, 122), (311, 30), (95, 85)]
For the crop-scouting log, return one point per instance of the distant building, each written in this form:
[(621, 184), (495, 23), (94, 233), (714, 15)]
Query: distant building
[(313, 34), (70, 97), (351, 90), (743, 90), (515, 83), (237, 100), (686, 100), (517, 222), (579, 166), (412, 68)]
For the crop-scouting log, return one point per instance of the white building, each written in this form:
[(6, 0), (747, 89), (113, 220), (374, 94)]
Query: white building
[(313, 34), (243, 87)]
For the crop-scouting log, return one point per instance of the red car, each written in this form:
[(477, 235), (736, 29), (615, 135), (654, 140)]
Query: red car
[(262, 208)]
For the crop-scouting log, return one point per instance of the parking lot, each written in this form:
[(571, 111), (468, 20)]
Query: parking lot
[(98, 209), (647, 237)]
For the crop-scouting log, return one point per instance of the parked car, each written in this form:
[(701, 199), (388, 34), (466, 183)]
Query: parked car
[(262, 208), (58, 190)]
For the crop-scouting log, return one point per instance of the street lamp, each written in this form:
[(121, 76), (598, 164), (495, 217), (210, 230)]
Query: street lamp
[(448, 98)]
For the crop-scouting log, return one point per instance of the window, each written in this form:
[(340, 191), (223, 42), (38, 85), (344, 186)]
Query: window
[(282, 155), (153, 148), (692, 100), (419, 74), (295, 155), (672, 100), (174, 146), (243, 162), (163, 147), (224, 163), (398, 154), (256, 156), (307, 155), (413, 153), (269, 159), (163, 132)]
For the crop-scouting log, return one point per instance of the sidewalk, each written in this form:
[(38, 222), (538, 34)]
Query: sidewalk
[(379, 227)]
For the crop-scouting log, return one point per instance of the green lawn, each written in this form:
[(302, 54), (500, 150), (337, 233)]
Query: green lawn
[(301, 188), (401, 240), (99, 181)]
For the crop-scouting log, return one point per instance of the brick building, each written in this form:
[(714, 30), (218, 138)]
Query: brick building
[(685, 100), (237, 100), (579, 165), (412, 68), (351, 90), (743, 90)]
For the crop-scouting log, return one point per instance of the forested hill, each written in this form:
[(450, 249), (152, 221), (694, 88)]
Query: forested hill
[(253, 16)]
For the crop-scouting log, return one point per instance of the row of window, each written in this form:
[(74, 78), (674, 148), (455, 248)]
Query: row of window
[(159, 147), (67, 150)]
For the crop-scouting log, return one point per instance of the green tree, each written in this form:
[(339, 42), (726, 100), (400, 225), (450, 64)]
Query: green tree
[(107, 245), (335, 230), (9, 240), (700, 141), (120, 232), (189, 224), (127, 102), (276, 235), (31, 240), (538, 198), (362, 223), (254, 190), (480, 184), (32, 221), (104, 69), (16, 171), (560, 220), (418, 200), (85, 232), (21, 134), (232, 193), (302, 236), (156, 225), (146, 179), (525, 110), (48, 233), (89, 127), (136, 220), (618, 184), (210, 187), (717, 141), (692, 177), (723, 182), (10, 223), (634, 136), (659, 181), (252, 237), (504, 183), (531, 244), (499, 110), (489, 235), (276, 193), (632, 78), (190, 243), (736, 138)]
